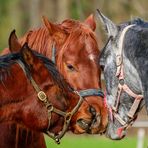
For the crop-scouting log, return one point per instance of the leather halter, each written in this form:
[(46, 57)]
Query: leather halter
[(50, 108), (122, 87), (85, 92)]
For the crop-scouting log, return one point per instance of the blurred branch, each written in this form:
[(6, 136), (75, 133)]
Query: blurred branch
[(80, 9), (34, 13), (63, 9), (139, 8)]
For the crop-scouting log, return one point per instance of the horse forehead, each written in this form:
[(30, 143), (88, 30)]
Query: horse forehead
[(84, 46), (82, 53), (92, 57)]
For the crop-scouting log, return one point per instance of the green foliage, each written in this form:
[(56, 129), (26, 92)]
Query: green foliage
[(81, 8), (8, 21), (74, 12)]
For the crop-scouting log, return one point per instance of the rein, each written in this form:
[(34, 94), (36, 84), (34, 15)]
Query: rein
[(82, 93), (122, 87), (50, 108)]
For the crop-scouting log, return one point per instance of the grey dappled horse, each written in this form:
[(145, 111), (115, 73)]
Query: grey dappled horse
[(125, 62)]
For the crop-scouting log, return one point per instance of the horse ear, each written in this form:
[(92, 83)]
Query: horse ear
[(111, 28), (14, 44), (52, 28), (27, 55), (90, 21), (48, 25), (55, 31)]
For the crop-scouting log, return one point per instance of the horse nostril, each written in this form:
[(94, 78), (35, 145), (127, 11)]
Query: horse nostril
[(92, 110)]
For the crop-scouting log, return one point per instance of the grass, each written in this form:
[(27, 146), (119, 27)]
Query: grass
[(85, 141)]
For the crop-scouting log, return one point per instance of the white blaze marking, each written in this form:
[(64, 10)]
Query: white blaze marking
[(91, 57)]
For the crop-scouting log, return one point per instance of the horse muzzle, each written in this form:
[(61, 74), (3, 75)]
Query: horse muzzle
[(115, 133), (91, 125)]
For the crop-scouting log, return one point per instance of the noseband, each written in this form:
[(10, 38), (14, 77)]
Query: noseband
[(122, 87), (82, 93), (50, 108)]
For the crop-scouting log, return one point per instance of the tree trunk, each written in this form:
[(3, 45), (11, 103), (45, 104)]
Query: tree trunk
[(63, 9), (34, 15)]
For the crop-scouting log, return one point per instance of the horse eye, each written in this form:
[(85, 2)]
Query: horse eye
[(70, 67), (102, 67)]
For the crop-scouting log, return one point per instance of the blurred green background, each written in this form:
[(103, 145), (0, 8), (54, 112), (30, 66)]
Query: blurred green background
[(85, 141), (23, 15)]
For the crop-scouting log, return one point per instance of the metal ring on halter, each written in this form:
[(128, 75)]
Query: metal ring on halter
[(68, 116), (50, 107)]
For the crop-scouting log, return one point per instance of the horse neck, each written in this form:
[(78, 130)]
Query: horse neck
[(12, 89), (132, 77), (137, 54), (10, 112), (131, 62), (13, 86)]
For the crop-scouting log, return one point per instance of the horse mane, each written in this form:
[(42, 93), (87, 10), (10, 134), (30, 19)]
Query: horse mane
[(136, 21), (7, 60), (57, 77), (40, 39), (37, 39), (77, 31)]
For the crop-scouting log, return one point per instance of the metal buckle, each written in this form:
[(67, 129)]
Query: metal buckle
[(68, 117), (118, 60), (42, 96)]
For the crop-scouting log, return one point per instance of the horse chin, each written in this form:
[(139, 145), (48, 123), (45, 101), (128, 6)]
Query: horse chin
[(91, 127), (115, 133)]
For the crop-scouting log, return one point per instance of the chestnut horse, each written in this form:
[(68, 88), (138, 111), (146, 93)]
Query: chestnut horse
[(33, 93), (72, 45)]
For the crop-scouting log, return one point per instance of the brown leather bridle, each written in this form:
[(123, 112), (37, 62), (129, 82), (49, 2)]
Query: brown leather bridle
[(41, 95), (122, 87)]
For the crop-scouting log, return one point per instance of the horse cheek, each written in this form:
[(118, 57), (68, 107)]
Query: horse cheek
[(29, 113)]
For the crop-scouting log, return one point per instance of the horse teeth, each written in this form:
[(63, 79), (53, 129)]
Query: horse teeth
[(84, 123)]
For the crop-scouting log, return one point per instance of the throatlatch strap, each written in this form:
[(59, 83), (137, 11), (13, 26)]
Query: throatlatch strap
[(91, 92)]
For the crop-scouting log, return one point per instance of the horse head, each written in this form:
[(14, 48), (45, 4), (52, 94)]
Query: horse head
[(53, 105), (123, 80), (76, 57)]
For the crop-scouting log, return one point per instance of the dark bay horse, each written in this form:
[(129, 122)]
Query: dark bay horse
[(125, 63), (73, 46), (33, 93)]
